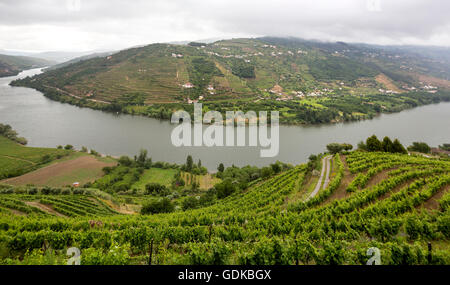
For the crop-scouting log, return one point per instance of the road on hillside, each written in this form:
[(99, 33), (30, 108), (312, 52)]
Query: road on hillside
[(325, 168)]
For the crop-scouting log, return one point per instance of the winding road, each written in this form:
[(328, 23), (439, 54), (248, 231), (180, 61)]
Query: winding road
[(326, 167)]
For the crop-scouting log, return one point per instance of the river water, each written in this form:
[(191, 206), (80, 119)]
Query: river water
[(47, 123)]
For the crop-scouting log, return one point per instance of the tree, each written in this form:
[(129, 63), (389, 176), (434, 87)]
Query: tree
[(142, 159), (163, 205), (445, 146), (387, 145), (347, 146), (189, 163), (125, 161), (68, 147), (190, 203), (276, 167), (312, 157), (266, 172), (225, 188), (221, 168), (156, 189), (334, 148), (46, 158), (420, 147), (397, 147), (199, 164), (362, 146), (373, 144)]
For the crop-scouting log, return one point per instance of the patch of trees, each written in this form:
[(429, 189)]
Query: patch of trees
[(334, 148), (194, 168), (194, 202), (243, 69), (338, 68), (8, 132), (46, 190), (201, 71), (163, 205), (420, 147), (196, 44), (313, 163), (156, 189), (445, 146), (373, 144), (237, 179)]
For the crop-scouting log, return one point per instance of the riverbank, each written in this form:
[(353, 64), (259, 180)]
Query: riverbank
[(304, 112)]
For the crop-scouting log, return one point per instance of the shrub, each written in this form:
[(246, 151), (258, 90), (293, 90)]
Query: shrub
[(419, 147), (46, 190), (156, 189), (68, 147), (66, 191), (32, 191), (225, 188), (190, 203), (163, 205)]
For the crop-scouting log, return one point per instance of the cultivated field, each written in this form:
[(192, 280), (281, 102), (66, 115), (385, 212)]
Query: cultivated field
[(82, 169)]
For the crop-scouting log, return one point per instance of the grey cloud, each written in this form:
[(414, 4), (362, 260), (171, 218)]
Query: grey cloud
[(140, 21)]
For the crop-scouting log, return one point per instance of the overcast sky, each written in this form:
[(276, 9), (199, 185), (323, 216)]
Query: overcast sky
[(80, 25)]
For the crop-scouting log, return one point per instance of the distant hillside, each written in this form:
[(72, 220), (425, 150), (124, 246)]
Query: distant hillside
[(12, 65), (78, 59), (293, 75)]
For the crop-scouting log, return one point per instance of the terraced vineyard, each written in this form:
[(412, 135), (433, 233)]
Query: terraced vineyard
[(65, 205), (396, 203), (307, 81)]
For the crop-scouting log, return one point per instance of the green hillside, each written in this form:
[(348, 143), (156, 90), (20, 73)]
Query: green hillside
[(12, 65), (16, 159), (309, 82), (397, 203)]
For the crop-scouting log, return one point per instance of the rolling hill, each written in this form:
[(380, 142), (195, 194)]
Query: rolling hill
[(13, 65), (295, 76)]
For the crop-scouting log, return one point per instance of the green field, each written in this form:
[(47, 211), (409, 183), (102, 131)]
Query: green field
[(155, 175), (16, 159)]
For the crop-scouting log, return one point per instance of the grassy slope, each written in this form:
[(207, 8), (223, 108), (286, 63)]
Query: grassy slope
[(155, 175), (12, 65), (15, 157), (64, 167)]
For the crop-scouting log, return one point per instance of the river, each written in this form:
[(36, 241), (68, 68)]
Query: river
[(47, 123)]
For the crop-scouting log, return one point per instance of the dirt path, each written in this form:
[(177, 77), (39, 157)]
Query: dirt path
[(325, 167), (433, 202), (45, 208), (327, 177), (75, 96)]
